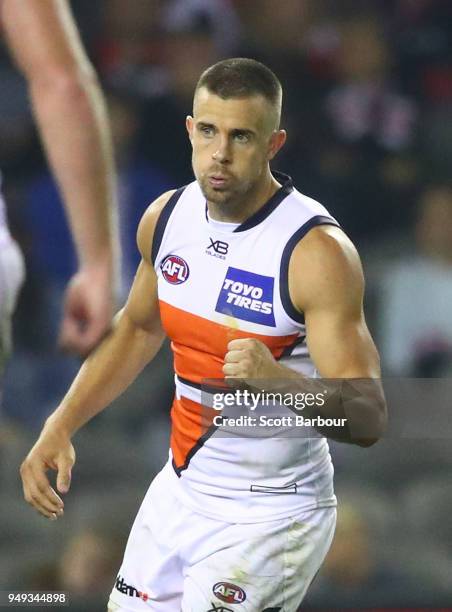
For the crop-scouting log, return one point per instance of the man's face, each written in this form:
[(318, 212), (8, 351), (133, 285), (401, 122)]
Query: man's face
[(232, 141)]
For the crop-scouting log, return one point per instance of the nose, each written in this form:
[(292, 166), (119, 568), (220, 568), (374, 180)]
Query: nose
[(222, 152)]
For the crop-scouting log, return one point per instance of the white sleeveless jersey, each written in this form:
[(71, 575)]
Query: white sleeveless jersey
[(215, 285)]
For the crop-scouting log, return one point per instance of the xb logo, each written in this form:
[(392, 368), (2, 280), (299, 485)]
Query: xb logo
[(217, 248)]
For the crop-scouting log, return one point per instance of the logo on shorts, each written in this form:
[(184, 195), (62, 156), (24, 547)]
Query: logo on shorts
[(175, 270), (248, 296), (128, 589), (229, 593)]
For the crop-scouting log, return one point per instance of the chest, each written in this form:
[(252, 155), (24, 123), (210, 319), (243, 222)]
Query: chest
[(229, 279)]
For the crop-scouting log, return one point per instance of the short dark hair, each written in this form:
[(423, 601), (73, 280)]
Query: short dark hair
[(241, 77)]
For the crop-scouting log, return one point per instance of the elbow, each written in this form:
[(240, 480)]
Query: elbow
[(71, 83), (366, 442), (375, 429)]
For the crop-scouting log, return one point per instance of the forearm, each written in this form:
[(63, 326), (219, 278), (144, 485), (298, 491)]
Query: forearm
[(106, 373), (72, 119), (359, 402)]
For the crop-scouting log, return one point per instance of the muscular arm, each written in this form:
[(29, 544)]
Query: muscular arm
[(134, 340), (326, 284), (70, 113)]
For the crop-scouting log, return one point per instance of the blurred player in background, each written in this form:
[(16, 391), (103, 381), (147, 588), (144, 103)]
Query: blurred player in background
[(251, 280), (70, 114)]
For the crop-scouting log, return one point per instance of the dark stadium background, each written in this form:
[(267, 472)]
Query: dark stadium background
[(368, 109)]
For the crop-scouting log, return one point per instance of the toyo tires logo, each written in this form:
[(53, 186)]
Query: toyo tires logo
[(247, 296)]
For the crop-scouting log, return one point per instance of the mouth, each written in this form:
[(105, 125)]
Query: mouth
[(218, 180)]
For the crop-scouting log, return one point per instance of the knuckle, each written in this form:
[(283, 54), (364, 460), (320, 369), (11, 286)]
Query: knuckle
[(41, 487)]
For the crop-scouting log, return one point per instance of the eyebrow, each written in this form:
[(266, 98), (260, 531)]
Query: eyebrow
[(203, 124)]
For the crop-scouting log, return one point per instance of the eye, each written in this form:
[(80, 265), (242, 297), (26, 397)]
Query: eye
[(241, 137), (207, 131)]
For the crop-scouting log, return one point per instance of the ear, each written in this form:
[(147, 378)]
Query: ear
[(277, 141), (189, 125)]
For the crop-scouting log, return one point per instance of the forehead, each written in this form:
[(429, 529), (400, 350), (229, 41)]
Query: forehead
[(232, 113)]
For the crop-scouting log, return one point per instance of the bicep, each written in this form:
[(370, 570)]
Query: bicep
[(328, 285), (142, 306), (340, 345), (43, 38)]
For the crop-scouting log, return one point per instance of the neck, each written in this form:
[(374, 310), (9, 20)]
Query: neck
[(244, 207)]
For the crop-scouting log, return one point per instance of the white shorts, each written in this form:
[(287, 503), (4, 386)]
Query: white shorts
[(177, 559), (12, 274)]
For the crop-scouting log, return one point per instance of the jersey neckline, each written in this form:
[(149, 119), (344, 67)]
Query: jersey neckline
[(222, 226)]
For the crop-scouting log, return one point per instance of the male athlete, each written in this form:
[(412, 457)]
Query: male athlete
[(252, 280), (70, 113)]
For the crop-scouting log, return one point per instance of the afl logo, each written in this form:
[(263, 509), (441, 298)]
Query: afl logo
[(229, 593), (175, 270)]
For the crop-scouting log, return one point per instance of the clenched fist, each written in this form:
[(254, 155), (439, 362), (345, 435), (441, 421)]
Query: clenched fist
[(249, 358)]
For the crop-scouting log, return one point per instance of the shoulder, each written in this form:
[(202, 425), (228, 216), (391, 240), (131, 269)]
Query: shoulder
[(146, 228), (326, 245), (325, 267)]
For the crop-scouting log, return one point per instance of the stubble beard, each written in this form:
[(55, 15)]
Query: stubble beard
[(228, 200)]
